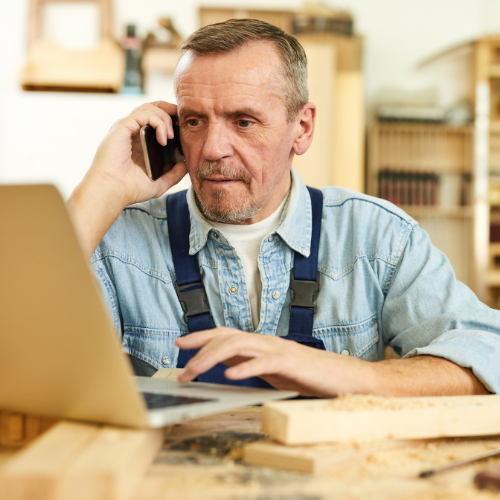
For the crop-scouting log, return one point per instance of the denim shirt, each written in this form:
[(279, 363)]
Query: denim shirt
[(381, 282)]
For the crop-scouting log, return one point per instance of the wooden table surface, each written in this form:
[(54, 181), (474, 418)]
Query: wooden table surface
[(201, 459)]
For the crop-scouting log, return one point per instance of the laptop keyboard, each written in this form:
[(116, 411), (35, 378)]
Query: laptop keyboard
[(155, 401)]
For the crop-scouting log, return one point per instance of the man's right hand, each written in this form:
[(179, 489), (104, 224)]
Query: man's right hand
[(117, 177)]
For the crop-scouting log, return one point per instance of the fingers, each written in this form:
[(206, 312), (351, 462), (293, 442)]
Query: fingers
[(140, 119), (166, 110), (265, 365), (199, 339), (144, 116), (226, 347)]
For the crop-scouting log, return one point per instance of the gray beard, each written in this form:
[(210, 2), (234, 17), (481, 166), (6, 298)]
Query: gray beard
[(234, 214)]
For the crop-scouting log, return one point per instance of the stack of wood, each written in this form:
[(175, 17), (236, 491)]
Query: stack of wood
[(317, 436)]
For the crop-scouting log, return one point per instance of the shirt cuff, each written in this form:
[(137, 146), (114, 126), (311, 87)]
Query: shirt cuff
[(478, 350)]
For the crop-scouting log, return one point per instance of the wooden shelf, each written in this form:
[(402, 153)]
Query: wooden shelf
[(433, 211), (422, 128), (493, 277)]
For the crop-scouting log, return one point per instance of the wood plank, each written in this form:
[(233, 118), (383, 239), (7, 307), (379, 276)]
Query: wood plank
[(37, 471), (113, 465), (11, 429), (313, 459), (348, 142), (315, 166), (370, 418), (17, 429), (168, 373), (78, 461)]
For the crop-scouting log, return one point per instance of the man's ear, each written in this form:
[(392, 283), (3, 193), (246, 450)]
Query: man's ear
[(305, 128)]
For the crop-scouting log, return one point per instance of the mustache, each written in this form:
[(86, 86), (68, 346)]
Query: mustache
[(209, 168)]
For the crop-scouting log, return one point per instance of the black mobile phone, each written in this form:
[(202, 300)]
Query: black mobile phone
[(160, 159)]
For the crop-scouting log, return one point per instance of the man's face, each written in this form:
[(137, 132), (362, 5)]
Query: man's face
[(235, 135)]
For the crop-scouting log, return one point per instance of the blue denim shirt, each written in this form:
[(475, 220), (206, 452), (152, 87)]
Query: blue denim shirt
[(382, 283)]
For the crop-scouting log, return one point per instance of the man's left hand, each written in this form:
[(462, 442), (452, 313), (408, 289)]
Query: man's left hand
[(282, 363)]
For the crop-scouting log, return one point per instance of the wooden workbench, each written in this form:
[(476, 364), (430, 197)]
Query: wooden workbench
[(202, 459)]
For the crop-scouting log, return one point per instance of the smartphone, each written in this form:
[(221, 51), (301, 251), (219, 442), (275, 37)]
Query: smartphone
[(160, 159)]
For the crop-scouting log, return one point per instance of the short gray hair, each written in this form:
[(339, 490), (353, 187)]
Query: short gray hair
[(221, 38)]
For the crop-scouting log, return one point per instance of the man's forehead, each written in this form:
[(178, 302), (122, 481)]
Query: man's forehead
[(248, 70)]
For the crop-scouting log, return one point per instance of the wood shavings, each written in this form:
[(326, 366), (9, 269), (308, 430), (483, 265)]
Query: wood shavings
[(358, 402)]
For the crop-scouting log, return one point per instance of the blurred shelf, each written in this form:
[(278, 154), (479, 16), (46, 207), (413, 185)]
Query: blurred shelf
[(493, 277), (422, 128), (434, 211), (495, 126)]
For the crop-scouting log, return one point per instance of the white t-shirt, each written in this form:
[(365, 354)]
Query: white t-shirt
[(246, 240)]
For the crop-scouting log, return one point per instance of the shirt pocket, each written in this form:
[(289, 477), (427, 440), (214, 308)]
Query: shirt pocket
[(154, 346), (357, 339)]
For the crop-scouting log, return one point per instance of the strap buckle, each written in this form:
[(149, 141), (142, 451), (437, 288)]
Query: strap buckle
[(304, 293), (193, 299)]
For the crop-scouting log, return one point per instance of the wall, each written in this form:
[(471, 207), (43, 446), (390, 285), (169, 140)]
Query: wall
[(53, 137)]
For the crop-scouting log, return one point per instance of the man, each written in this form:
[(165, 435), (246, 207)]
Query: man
[(249, 224)]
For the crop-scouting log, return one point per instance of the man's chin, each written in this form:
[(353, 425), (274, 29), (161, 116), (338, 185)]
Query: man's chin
[(227, 209)]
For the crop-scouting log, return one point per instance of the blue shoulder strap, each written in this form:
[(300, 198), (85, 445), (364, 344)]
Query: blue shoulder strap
[(304, 286), (189, 285)]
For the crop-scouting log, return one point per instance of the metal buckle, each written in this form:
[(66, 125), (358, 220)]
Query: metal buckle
[(304, 293), (193, 299)]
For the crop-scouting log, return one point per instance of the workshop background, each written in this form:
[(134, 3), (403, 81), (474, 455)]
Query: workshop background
[(408, 94)]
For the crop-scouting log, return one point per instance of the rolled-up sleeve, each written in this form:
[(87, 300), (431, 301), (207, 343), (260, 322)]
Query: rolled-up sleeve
[(428, 312)]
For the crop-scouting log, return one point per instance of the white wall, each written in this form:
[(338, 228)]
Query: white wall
[(48, 137)]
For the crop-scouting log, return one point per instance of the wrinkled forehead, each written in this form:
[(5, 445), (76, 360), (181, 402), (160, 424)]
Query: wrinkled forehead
[(253, 69)]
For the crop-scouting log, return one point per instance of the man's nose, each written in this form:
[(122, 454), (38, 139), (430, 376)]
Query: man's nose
[(217, 142)]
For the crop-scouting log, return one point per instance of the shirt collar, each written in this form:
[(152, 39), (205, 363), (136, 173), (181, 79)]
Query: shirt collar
[(295, 226)]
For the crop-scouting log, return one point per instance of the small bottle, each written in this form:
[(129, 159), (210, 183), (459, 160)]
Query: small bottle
[(132, 45)]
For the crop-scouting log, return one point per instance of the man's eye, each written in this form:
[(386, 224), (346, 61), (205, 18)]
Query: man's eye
[(244, 123), (193, 122)]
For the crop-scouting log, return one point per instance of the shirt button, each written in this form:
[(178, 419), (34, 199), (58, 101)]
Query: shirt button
[(345, 352), (276, 294), (271, 238), (233, 289), (165, 360), (216, 234)]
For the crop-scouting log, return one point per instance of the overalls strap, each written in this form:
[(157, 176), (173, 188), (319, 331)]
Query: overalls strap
[(304, 284), (189, 285)]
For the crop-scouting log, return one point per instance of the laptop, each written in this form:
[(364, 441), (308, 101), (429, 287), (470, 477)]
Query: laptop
[(59, 353)]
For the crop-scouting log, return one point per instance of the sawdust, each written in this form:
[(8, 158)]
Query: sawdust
[(359, 402), (417, 457)]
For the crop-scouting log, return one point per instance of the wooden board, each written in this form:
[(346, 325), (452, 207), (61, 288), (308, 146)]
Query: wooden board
[(371, 418), (315, 166), (17, 429), (281, 18), (348, 142), (113, 465), (76, 461), (38, 471), (313, 459), (80, 461), (168, 373), (349, 49), (51, 67), (336, 155)]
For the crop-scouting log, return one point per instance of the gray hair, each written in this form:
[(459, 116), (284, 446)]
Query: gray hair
[(221, 38)]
